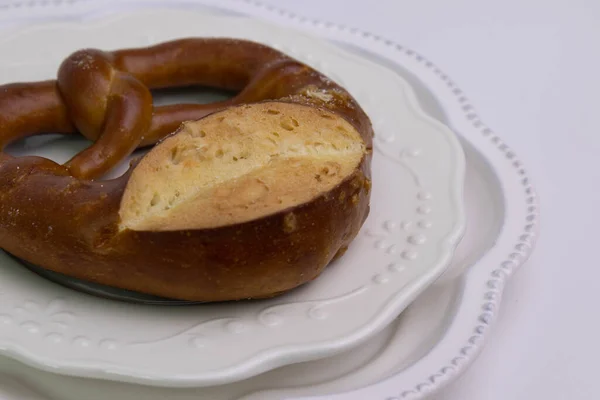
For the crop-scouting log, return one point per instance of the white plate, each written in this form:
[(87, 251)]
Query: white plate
[(416, 221), (440, 333)]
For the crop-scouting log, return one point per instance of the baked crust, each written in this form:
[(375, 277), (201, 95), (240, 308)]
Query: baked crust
[(246, 245)]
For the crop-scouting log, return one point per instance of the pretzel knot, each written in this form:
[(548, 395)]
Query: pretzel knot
[(108, 106)]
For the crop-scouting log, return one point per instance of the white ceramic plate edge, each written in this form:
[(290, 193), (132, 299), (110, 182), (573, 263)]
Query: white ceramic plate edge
[(515, 243)]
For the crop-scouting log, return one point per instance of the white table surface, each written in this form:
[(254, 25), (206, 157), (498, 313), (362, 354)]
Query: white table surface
[(532, 69)]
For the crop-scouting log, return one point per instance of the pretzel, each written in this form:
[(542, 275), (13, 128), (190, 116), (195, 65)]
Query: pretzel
[(67, 219)]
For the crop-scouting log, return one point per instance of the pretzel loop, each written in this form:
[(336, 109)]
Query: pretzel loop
[(105, 96), (66, 219)]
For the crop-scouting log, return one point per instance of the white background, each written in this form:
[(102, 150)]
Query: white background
[(532, 68)]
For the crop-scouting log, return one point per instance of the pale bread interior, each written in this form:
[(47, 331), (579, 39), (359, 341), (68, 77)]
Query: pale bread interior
[(238, 165)]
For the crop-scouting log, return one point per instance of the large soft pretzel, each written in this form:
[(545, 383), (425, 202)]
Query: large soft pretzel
[(248, 198)]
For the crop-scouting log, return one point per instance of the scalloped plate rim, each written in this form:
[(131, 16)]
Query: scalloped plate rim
[(402, 388), (248, 368)]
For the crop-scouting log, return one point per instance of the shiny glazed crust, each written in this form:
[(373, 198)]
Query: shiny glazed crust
[(66, 219)]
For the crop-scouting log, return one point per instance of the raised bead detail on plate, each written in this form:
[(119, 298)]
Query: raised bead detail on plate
[(393, 249), (81, 341), (198, 342), (423, 387), (54, 337), (270, 319), (491, 296), (424, 195), (30, 326), (447, 370), (380, 279), (493, 284), (396, 267), (236, 327), (518, 257), (386, 136), (423, 210), (456, 361), (108, 344), (380, 244), (522, 247), (409, 255), (498, 273), (31, 305), (435, 377), (417, 239), (317, 313), (411, 152), (425, 224), (390, 226), (526, 238), (529, 227)]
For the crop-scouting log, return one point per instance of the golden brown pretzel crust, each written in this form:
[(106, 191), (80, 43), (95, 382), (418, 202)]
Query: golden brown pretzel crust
[(59, 217)]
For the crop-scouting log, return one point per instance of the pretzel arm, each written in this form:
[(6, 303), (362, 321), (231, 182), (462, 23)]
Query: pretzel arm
[(220, 63), (29, 109)]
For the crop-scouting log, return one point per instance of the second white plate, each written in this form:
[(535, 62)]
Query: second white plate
[(416, 221)]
